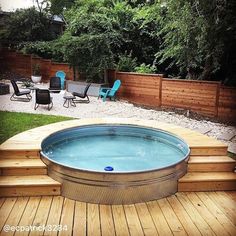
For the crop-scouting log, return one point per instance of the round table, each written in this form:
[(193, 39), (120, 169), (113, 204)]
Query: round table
[(69, 100)]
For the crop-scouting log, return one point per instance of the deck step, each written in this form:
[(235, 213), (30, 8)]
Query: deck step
[(207, 181), (211, 163), (32, 185), (22, 154), (209, 150), (10, 166)]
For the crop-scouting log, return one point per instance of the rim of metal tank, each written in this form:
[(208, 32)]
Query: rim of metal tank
[(185, 158)]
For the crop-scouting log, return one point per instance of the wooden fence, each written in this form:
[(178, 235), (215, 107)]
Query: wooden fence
[(22, 64), (204, 97)]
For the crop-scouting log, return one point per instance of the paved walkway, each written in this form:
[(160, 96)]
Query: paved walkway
[(121, 109)]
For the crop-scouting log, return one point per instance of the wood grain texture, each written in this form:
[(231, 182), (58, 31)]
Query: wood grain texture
[(203, 213), (204, 97), (22, 64)]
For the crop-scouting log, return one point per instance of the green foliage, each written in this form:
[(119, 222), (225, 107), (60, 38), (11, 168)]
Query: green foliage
[(90, 54), (48, 50), (146, 69), (27, 83), (193, 39), (36, 69), (126, 63), (41, 49), (197, 36), (27, 25), (57, 6), (91, 36), (182, 32)]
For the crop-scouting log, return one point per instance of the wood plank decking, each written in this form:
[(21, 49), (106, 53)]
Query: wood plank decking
[(209, 167), (201, 213), (24, 177)]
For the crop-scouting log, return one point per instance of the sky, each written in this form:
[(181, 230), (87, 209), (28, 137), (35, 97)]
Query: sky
[(12, 5)]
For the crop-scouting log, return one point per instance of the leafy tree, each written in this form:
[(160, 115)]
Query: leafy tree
[(57, 7), (27, 25), (92, 36), (199, 38), (193, 39), (89, 54), (181, 32)]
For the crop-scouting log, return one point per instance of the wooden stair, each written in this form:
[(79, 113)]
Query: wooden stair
[(210, 163), (24, 174), (16, 166), (209, 173)]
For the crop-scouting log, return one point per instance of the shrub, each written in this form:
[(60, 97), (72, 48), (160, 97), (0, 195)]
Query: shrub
[(143, 68), (36, 70), (126, 63), (41, 49), (48, 50)]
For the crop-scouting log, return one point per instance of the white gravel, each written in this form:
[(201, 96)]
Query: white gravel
[(97, 108)]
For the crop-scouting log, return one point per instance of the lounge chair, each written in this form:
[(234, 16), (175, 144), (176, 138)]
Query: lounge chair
[(109, 92), (55, 84), (16, 96), (42, 97), (82, 95), (62, 75)]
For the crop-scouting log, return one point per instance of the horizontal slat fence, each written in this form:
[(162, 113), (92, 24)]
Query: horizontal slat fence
[(22, 64), (227, 103), (140, 88), (193, 95), (204, 97)]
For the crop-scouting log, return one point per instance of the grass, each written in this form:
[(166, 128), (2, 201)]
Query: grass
[(12, 123), (232, 155)]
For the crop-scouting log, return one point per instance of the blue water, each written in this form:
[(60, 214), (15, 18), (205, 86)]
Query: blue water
[(124, 148)]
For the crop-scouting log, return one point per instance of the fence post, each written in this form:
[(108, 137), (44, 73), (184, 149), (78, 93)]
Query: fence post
[(160, 92), (217, 99)]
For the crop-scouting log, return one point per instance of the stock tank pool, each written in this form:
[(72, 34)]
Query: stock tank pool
[(115, 164)]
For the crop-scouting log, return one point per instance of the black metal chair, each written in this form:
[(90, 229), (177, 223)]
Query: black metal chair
[(42, 97), (16, 96), (82, 95), (55, 84)]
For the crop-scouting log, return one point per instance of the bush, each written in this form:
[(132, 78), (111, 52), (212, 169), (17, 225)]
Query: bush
[(41, 49), (146, 69), (47, 50), (126, 63)]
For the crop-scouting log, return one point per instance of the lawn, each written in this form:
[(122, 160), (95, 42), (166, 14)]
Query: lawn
[(12, 123)]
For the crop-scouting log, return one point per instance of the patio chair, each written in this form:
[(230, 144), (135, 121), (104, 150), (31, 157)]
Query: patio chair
[(16, 96), (62, 75), (42, 97), (55, 84), (109, 92), (82, 95)]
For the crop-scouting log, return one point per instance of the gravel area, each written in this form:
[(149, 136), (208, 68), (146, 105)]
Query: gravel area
[(122, 109)]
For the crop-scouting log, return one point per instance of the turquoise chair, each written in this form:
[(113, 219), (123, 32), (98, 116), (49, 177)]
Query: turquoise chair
[(109, 92), (61, 74)]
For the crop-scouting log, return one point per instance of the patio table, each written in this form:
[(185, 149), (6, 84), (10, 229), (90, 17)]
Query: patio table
[(69, 100)]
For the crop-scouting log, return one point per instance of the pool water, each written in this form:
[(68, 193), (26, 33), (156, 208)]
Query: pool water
[(125, 148)]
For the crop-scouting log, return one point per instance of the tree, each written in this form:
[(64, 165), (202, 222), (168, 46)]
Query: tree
[(199, 38), (27, 25), (58, 6), (91, 36), (194, 39)]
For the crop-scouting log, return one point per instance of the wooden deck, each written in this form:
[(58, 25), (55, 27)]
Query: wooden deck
[(22, 173), (194, 213), (31, 140), (24, 177)]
